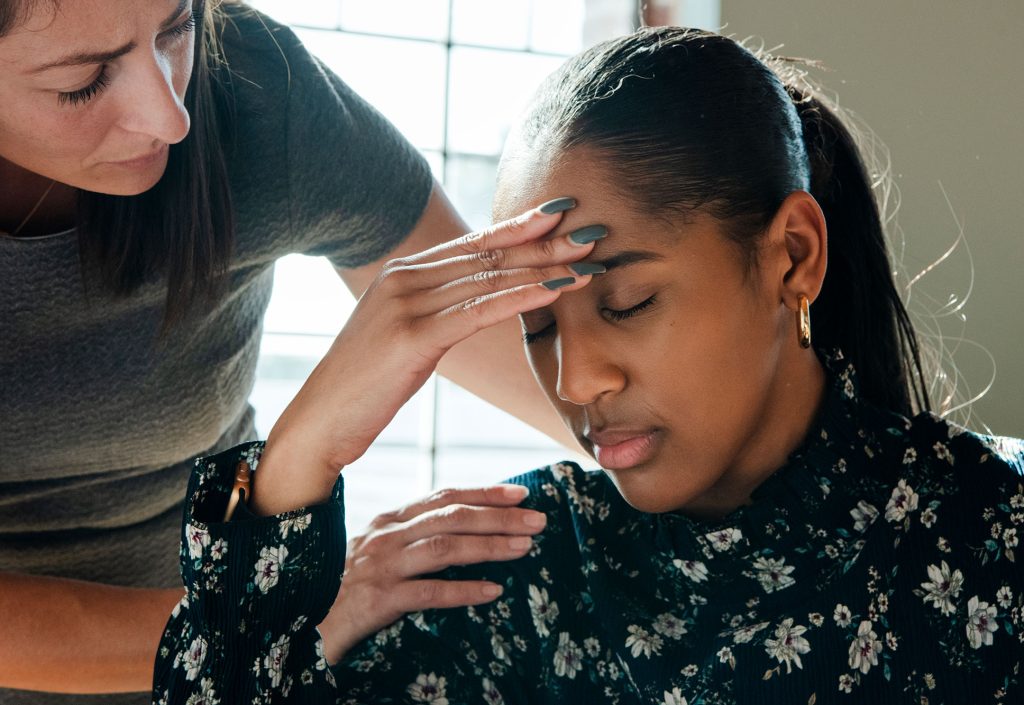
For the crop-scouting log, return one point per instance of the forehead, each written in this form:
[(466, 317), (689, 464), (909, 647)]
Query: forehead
[(528, 179)]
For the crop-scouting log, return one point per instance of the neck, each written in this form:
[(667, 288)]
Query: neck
[(792, 407), (22, 191)]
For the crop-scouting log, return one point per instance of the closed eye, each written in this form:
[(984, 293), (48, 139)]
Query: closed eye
[(623, 314), (614, 314)]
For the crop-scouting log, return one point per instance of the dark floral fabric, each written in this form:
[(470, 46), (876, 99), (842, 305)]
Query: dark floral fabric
[(878, 565)]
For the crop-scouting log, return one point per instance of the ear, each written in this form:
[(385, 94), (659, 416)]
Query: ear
[(799, 238)]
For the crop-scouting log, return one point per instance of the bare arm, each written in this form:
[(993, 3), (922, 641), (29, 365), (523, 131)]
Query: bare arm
[(71, 636), (491, 364)]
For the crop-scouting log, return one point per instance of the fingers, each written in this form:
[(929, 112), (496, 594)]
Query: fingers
[(541, 253), (442, 551), (501, 495), (527, 227), (416, 595), (468, 519)]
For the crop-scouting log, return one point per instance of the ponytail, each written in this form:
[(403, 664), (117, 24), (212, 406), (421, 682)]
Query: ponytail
[(859, 310)]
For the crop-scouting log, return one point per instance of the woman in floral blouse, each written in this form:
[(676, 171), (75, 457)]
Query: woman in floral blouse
[(777, 521)]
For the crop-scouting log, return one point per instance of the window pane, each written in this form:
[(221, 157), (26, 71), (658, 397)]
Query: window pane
[(465, 420), (403, 79), (314, 13), (497, 23), (557, 26), (382, 480), (489, 89), (309, 297), (469, 182), (427, 19)]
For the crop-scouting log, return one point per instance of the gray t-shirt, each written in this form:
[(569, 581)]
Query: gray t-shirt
[(99, 418)]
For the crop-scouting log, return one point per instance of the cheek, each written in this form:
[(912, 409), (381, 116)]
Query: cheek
[(40, 135)]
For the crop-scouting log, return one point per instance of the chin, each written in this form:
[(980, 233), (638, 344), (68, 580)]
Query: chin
[(648, 493)]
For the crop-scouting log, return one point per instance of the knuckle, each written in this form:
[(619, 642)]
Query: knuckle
[(454, 515), (488, 281), (375, 544), (490, 260), (474, 242), (439, 544), (428, 591)]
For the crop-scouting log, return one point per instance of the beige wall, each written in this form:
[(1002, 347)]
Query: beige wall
[(942, 84)]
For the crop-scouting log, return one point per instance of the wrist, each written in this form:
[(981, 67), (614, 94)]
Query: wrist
[(288, 477)]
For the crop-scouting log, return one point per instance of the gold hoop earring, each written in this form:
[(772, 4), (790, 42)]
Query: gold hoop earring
[(803, 317)]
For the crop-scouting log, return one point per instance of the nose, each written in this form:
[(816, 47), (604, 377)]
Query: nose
[(587, 370), (153, 107)]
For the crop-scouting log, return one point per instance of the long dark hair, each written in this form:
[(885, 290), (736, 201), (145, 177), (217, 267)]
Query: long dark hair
[(182, 229), (692, 120)]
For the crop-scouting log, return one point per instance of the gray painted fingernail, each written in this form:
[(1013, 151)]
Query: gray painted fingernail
[(558, 283), (557, 206), (584, 268), (588, 234)]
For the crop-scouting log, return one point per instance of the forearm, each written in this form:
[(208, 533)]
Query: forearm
[(71, 636)]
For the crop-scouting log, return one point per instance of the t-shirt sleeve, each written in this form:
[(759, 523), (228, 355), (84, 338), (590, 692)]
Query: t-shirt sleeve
[(315, 169), (356, 185)]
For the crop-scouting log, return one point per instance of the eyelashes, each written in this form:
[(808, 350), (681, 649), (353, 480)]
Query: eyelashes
[(84, 95), (614, 314)]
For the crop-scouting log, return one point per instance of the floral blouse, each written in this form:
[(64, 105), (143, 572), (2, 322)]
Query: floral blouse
[(878, 565)]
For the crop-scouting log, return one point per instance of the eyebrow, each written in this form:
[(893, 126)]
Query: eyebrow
[(102, 57), (628, 257)]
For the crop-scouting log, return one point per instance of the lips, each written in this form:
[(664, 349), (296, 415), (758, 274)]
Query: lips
[(618, 449), (141, 160)]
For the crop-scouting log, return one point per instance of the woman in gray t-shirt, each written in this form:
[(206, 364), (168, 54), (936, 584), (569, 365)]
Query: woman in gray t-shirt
[(156, 159)]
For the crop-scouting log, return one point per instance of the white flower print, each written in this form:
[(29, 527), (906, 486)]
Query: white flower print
[(773, 573), (891, 641), (669, 625), (640, 641), (275, 658), (674, 698), (724, 539), (428, 689), (192, 660), (846, 683), (542, 609), (297, 524), (268, 567), (491, 694), (865, 648), (943, 545), (928, 517), (745, 634), (694, 570), (981, 623), (502, 650), (725, 655), (206, 695), (218, 549), (909, 456), (943, 587), (689, 670), (198, 539), (592, 646), (942, 452), (864, 514), (1017, 501), (1004, 596), (816, 618), (788, 644), (568, 657), (902, 502), (1010, 538)]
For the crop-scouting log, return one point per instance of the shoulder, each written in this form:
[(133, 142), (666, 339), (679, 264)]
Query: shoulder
[(568, 490), (976, 479)]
